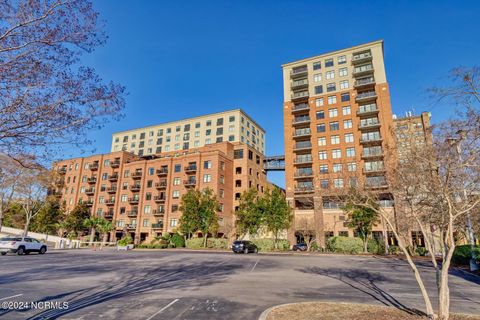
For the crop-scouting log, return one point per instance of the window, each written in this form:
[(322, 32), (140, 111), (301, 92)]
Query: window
[(347, 124), (231, 138), (160, 132), (342, 59), (352, 166), (330, 75), (322, 141), (219, 131), (343, 72), (331, 87), (346, 110), (178, 128), (124, 198), (337, 167), (207, 178), (332, 113), (318, 89), (317, 65), (173, 222), (231, 128), (176, 181), (321, 127), (176, 194), (207, 164), (208, 141), (338, 183), (322, 155), (231, 119), (324, 184), (335, 139), (222, 179), (334, 126), (345, 96), (329, 63), (332, 99), (197, 125), (350, 152), (219, 139), (147, 209), (349, 137), (219, 121), (317, 77), (320, 115), (336, 153), (238, 154), (142, 135), (151, 171), (343, 85), (178, 168), (324, 168)]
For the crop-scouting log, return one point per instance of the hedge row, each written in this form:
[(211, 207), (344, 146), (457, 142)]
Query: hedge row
[(212, 243), (268, 244)]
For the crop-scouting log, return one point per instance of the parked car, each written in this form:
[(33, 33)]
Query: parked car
[(244, 246), (300, 247), (20, 247)]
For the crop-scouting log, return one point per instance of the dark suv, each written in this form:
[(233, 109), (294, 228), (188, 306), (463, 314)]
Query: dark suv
[(300, 247), (244, 246)]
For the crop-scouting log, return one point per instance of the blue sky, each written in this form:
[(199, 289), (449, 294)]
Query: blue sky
[(185, 58)]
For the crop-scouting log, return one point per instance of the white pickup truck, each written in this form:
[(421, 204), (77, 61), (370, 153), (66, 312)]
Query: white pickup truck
[(17, 245)]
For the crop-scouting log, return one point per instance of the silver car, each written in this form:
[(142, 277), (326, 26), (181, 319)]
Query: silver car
[(20, 247)]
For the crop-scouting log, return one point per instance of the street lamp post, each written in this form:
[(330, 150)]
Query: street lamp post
[(471, 236)]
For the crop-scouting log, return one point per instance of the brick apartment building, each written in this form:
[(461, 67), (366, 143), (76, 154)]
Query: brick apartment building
[(337, 123), (141, 195)]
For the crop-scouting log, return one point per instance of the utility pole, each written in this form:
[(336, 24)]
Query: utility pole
[(458, 144)]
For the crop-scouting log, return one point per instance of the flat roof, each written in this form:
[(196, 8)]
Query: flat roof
[(357, 47), (192, 118)]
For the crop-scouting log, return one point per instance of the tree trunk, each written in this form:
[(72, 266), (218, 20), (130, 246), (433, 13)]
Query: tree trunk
[(25, 229), (92, 235), (104, 240), (205, 240), (443, 288), (365, 245)]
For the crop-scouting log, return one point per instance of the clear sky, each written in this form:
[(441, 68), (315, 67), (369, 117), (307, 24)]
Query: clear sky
[(181, 59)]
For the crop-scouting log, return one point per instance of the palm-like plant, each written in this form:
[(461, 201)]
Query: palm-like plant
[(93, 223), (105, 228)]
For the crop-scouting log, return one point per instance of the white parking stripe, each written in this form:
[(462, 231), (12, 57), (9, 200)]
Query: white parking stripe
[(17, 295), (159, 311), (254, 266)]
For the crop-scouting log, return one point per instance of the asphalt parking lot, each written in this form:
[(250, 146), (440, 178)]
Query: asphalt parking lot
[(194, 285)]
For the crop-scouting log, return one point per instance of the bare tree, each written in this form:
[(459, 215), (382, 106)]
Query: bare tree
[(305, 227), (47, 98), (9, 175)]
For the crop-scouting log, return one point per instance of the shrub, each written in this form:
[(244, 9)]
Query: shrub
[(268, 244), (166, 236), (376, 246), (314, 246), (178, 241), (283, 245), (421, 251), (462, 254), (151, 246), (125, 241), (393, 249), (194, 243), (345, 245), (217, 243)]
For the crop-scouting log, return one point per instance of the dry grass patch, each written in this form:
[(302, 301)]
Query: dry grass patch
[(334, 311)]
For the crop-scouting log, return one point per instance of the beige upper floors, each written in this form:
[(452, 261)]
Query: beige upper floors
[(232, 126)]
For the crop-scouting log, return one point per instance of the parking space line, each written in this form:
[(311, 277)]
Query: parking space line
[(17, 295), (254, 266), (164, 308)]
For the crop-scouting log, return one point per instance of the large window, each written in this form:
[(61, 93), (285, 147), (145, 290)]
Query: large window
[(331, 87), (342, 59), (334, 126), (322, 141), (317, 65), (330, 75), (322, 155), (332, 99), (336, 153), (347, 124), (329, 63), (320, 115), (321, 127), (344, 85), (343, 72), (317, 77), (337, 167), (335, 139), (350, 152), (349, 137), (332, 113), (319, 102), (319, 89), (346, 110)]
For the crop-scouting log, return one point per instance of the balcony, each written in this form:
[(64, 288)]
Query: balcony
[(378, 182), (90, 191), (301, 120), (159, 199), (371, 140), (299, 133), (92, 180), (137, 175), (374, 170), (304, 145), (161, 185), (108, 215), (133, 200), (299, 72), (376, 186), (159, 212), (112, 189), (110, 202), (304, 189), (363, 70), (301, 95), (372, 155), (88, 203), (302, 174), (135, 187), (299, 84), (132, 213), (113, 177), (189, 182), (366, 96), (367, 126), (131, 226), (162, 172), (158, 225), (191, 168), (363, 57), (303, 160), (302, 107), (367, 111), (62, 170), (57, 194), (94, 166), (364, 83), (115, 164)]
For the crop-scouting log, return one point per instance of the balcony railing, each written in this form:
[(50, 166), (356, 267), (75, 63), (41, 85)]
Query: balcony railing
[(302, 145), (158, 225), (92, 180), (132, 213), (189, 182), (110, 202), (115, 164), (136, 175), (363, 70), (62, 170), (88, 203), (113, 177), (159, 199), (364, 96), (162, 172), (90, 191), (301, 120), (159, 212), (302, 160), (304, 189), (372, 154), (94, 166), (369, 125), (374, 139), (302, 133), (300, 107), (135, 187), (133, 200), (365, 82), (112, 189), (303, 83), (131, 226), (303, 173), (191, 168), (161, 185), (361, 57), (298, 72), (368, 109), (300, 95), (108, 215)]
